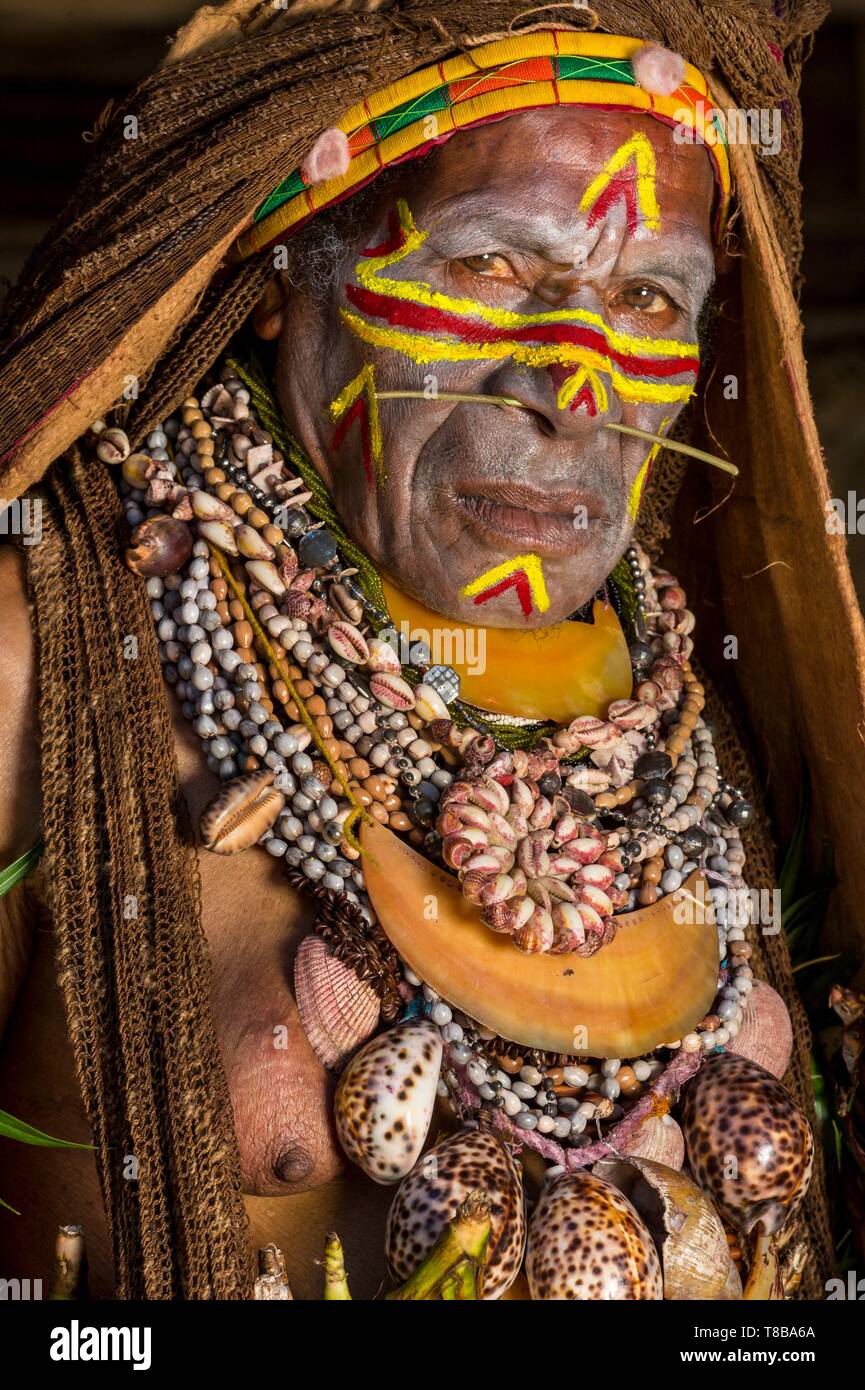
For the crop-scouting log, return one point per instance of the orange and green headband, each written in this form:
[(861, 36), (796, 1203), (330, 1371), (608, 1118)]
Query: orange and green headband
[(549, 68)]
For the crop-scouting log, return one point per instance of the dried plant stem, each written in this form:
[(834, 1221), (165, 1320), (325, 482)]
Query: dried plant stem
[(481, 399), (69, 1270), (764, 1279), (453, 1268), (335, 1282), (272, 1284), (672, 444), (675, 446)]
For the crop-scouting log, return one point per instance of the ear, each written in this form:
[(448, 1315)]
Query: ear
[(269, 312)]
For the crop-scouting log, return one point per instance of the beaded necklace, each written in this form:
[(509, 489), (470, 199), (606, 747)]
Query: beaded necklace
[(260, 601)]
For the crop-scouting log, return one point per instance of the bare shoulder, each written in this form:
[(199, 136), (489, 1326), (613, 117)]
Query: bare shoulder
[(19, 743)]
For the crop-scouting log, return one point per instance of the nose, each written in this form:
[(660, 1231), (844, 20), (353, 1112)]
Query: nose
[(570, 400)]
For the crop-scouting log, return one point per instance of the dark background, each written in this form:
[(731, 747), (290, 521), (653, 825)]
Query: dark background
[(60, 62)]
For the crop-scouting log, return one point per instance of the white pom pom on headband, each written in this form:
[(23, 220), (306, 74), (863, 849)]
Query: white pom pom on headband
[(328, 158), (658, 70)]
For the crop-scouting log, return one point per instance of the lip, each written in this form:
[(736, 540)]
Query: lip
[(525, 516)]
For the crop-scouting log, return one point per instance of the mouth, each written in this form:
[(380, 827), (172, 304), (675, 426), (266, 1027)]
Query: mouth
[(556, 523)]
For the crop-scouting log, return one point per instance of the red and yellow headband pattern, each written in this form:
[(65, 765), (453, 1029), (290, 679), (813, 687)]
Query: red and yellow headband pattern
[(549, 68)]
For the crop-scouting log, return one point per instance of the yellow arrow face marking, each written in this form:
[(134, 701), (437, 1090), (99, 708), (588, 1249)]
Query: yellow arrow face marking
[(358, 401), (612, 184), (524, 573)]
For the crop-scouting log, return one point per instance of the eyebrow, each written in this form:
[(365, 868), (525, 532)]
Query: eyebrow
[(477, 218), (497, 227)]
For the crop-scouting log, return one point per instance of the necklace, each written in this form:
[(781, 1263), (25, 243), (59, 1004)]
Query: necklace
[(269, 630)]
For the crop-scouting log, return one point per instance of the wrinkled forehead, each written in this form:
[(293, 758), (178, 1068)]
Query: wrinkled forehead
[(560, 169)]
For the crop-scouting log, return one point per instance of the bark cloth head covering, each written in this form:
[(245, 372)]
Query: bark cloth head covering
[(134, 282)]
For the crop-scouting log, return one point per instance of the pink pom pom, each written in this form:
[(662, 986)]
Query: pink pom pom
[(657, 70), (327, 159)]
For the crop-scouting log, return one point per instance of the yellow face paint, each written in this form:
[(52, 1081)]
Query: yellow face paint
[(421, 323), (636, 494), (635, 186), (358, 401), (524, 573)]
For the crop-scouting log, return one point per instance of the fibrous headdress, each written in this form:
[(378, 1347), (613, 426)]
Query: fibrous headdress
[(121, 309)]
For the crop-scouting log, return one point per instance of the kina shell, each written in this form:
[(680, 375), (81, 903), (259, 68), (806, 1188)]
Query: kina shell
[(429, 1196), (338, 1011), (649, 984), (587, 1243), (765, 1034), (748, 1144), (239, 814), (384, 1101), (695, 1255)]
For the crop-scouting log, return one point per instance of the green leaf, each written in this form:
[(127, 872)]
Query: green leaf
[(839, 1142), (791, 868), (10, 1128), (14, 1210), (14, 873)]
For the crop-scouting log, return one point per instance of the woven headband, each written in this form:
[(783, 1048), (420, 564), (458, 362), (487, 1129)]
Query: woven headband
[(550, 68)]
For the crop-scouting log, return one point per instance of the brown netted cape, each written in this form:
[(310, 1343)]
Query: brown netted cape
[(128, 285)]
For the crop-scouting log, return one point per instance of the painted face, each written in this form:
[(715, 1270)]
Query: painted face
[(559, 258)]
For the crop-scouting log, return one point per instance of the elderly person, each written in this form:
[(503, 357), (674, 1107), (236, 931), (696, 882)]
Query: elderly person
[(370, 333)]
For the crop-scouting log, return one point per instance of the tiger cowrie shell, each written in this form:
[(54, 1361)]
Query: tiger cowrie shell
[(348, 643), (391, 690)]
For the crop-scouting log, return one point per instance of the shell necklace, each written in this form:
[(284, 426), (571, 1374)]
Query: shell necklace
[(306, 715)]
